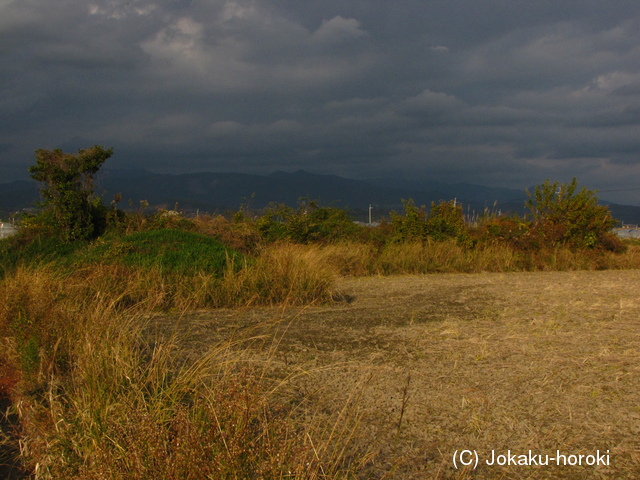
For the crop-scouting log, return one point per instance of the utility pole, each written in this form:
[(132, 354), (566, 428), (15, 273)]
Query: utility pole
[(370, 209)]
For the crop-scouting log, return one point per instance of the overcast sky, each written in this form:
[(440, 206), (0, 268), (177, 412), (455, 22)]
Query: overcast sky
[(493, 92)]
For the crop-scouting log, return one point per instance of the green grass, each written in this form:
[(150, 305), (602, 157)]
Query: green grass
[(15, 251), (171, 251), (167, 250)]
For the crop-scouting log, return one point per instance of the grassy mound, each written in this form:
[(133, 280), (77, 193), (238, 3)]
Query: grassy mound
[(171, 251)]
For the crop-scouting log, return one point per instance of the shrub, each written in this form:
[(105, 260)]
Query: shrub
[(271, 226), (410, 226), (561, 215), (444, 220), (309, 223), (511, 230)]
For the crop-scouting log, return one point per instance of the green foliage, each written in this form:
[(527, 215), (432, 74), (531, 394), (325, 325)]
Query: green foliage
[(172, 251), (330, 224), (562, 215), (309, 223), (410, 226), (445, 220), (30, 248), (70, 205), (28, 341), (272, 225), (511, 230)]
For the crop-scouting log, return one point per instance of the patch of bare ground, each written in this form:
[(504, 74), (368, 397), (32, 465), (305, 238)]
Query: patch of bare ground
[(519, 362)]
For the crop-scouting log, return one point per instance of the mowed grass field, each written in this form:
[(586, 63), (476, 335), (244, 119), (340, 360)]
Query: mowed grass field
[(419, 367)]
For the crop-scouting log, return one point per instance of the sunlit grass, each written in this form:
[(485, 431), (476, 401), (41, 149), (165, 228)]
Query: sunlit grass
[(102, 399)]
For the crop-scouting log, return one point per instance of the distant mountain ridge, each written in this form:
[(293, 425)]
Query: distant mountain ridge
[(220, 192), (223, 191)]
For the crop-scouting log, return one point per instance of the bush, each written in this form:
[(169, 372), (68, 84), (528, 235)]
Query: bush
[(445, 220), (410, 226), (309, 223), (561, 215), (510, 230)]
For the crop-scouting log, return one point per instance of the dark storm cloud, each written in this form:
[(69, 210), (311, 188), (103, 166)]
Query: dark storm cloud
[(497, 92)]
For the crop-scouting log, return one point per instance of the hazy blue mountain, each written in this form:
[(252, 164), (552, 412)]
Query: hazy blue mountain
[(470, 192)]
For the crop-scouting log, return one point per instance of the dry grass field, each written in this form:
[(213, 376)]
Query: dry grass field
[(418, 367)]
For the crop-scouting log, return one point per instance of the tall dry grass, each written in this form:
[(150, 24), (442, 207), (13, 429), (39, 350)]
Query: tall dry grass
[(102, 399), (283, 273), (449, 256), (444, 256)]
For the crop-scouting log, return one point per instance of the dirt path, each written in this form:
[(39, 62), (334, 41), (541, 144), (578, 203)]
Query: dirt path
[(526, 363)]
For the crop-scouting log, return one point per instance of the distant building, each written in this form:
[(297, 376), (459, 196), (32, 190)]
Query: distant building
[(6, 230), (366, 224), (627, 231)]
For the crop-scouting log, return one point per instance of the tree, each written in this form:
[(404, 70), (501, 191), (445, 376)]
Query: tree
[(563, 215), (70, 205)]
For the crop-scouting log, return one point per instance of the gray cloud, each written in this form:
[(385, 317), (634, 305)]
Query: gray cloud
[(501, 93)]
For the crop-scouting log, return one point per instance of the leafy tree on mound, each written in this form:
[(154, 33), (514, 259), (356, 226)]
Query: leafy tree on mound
[(70, 205)]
